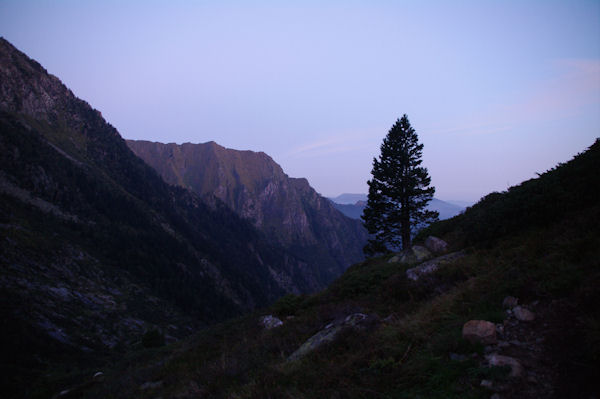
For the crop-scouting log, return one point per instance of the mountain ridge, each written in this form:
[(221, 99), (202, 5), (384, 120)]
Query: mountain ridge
[(288, 210), (96, 249)]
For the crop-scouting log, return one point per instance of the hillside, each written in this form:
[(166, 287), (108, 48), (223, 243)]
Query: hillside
[(96, 249), (288, 210), (377, 333)]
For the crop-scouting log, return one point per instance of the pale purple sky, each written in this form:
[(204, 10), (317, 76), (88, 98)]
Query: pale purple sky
[(497, 91)]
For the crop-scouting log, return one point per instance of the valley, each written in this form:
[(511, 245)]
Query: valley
[(97, 250), (532, 274), (287, 210), (138, 269)]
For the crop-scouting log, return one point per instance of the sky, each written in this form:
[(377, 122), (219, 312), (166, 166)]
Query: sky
[(496, 90)]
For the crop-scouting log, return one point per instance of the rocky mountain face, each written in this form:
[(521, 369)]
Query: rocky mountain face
[(288, 210), (95, 248)]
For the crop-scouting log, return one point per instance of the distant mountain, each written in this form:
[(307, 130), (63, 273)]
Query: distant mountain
[(288, 210), (446, 209), (95, 248), (347, 198), (462, 204), (355, 210)]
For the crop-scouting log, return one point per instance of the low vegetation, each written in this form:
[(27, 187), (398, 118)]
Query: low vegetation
[(405, 351)]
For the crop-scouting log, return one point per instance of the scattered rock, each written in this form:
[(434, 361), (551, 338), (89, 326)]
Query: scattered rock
[(436, 245), (331, 330), (411, 256), (270, 322), (354, 319), (486, 384), (523, 314), (498, 360), (78, 390), (510, 302), (499, 329), (480, 331), (431, 266), (426, 268)]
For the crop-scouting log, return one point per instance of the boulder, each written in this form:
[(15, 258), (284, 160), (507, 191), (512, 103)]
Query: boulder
[(270, 322), (425, 268), (487, 384), (480, 331), (411, 256), (516, 369), (510, 302), (330, 332), (436, 245), (432, 265), (523, 314)]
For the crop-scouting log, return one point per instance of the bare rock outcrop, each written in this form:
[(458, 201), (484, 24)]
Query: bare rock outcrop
[(516, 369), (510, 302), (270, 322), (287, 210), (415, 254), (480, 331), (436, 245), (432, 265), (523, 314), (330, 332)]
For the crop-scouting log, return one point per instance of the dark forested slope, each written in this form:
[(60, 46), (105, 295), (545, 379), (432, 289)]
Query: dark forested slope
[(95, 247), (568, 187)]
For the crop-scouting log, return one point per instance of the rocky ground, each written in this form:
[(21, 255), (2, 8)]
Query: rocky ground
[(542, 358)]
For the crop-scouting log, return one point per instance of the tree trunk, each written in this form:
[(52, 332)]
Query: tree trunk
[(405, 227), (406, 244)]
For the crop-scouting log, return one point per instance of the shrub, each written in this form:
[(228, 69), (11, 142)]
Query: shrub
[(153, 339)]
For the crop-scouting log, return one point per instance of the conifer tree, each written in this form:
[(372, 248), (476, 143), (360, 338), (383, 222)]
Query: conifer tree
[(398, 191)]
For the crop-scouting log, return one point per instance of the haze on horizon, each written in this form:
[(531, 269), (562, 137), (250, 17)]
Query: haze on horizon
[(497, 91)]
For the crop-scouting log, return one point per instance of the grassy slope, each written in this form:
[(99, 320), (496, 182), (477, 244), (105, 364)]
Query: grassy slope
[(552, 256)]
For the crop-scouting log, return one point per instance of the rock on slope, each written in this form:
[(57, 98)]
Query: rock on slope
[(288, 210)]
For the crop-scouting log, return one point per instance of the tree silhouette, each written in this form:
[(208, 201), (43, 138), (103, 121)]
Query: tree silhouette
[(398, 191)]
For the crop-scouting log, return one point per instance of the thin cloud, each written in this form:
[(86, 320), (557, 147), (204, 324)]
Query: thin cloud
[(332, 145), (575, 86), (578, 86), (314, 146)]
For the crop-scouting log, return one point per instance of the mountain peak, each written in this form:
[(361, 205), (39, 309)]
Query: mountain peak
[(288, 210)]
